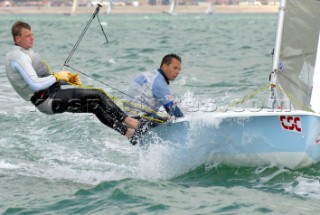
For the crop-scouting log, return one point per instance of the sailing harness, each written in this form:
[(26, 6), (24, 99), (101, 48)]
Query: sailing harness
[(161, 116)]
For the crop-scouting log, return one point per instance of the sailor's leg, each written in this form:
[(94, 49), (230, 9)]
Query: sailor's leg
[(79, 100)]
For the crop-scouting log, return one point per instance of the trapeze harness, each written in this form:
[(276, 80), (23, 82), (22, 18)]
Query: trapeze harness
[(30, 77)]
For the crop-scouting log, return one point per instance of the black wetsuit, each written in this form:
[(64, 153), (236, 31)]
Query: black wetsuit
[(83, 100)]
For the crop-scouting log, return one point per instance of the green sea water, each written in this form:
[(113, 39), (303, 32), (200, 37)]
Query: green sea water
[(72, 164)]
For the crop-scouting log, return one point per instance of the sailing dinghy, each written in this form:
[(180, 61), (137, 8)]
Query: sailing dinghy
[(287, 133), (171, 10)]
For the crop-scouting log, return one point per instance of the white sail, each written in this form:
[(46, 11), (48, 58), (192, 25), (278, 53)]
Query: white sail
[(109, 7), (315, 96), (210, 8), (297, 54), (172, 7), (74, 7)]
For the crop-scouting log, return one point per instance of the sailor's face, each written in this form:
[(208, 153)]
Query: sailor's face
[(25, 40), (172, 70)]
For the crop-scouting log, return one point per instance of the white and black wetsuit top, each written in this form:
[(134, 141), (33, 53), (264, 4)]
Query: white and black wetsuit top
[(29, 75), (27, 72)]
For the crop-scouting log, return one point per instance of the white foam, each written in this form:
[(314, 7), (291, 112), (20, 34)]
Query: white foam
[(6, 165), (164, 160), (104, 23), (305, 187)]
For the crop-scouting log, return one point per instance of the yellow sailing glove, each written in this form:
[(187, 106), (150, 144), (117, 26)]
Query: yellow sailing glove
[(75, 79), (62, 76)]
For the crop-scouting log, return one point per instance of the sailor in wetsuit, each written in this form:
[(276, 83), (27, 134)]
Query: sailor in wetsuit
[(150, 90), (30, 76)]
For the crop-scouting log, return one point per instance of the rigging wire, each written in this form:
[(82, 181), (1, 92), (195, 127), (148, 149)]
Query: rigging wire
[(66, 63), (120, 102), (148, 107), (84, 32)]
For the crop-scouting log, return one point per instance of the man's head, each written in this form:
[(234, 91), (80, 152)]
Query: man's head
[(171, 66), (22, 34)]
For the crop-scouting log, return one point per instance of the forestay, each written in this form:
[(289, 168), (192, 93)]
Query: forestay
[(297, 57)]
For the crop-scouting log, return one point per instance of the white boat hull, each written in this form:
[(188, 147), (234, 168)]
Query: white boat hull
[(289, 139)]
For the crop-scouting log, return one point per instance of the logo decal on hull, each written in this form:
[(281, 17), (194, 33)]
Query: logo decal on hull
[(291, 123)]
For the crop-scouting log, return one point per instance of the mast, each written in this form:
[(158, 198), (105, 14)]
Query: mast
[(276, 54)]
